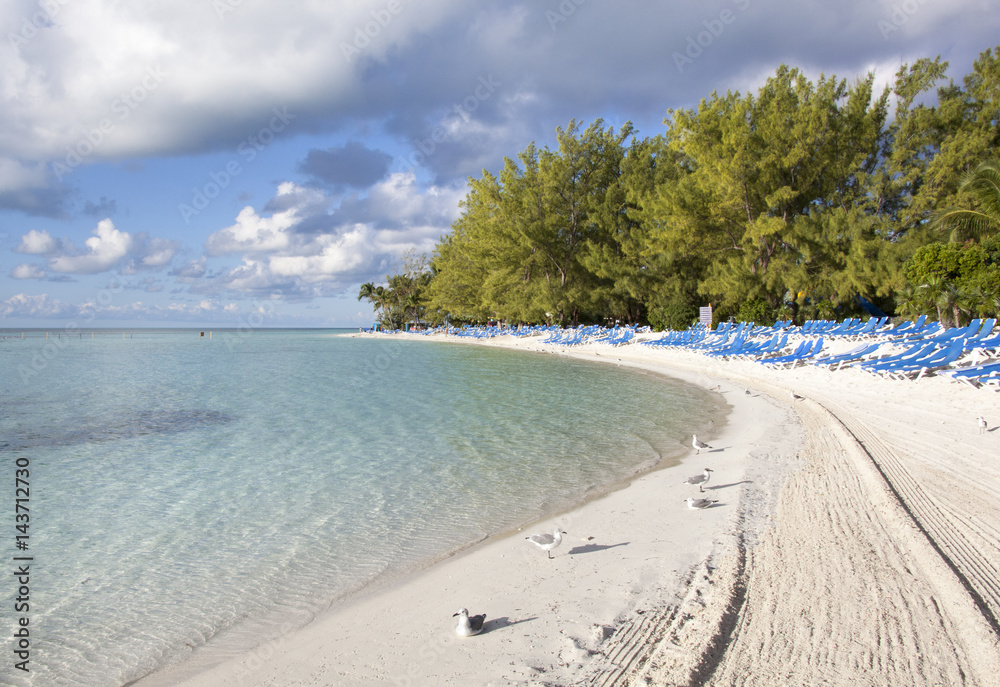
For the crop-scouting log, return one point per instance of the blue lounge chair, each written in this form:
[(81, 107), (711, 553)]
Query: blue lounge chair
[(806, 349), (974, 375), (918, 368), (847, 356), (914, 352)]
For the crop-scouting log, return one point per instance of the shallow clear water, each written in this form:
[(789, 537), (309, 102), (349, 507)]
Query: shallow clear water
[(183, 487)]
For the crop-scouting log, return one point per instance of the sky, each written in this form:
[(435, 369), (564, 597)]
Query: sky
[(243, 163)]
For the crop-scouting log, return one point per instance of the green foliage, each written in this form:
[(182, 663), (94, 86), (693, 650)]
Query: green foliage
[(983, 184), (939, 260), (954, 282), (676, 316), (400, 301), (549, 239), (756, 310), (789, 202)]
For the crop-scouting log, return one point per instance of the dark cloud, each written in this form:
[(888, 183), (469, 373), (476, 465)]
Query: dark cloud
[(38, 202), (105, 207), (549, 62), (352, 164)]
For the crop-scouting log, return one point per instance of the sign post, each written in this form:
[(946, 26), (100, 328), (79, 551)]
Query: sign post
[(705, 316)]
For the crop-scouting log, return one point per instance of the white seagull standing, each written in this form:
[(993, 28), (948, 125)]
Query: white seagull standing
[(698, 445), (700, 479), (795, 396), (699, 503), (469, 626), (547, 542), (982, 424)]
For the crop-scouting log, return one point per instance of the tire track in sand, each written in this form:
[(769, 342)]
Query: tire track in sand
[(845, 590), (947, 530)]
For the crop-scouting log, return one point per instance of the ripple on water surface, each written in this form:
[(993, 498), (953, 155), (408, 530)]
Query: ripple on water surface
[(183, 487)]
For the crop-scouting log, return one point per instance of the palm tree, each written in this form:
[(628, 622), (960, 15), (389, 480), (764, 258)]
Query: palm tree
[(984, 185), (366, 291), (910, 302), (933, 295), (974, 302), (948, 302), (375, 296)]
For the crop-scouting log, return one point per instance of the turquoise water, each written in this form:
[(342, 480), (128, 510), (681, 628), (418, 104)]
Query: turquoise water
[(184, 488)]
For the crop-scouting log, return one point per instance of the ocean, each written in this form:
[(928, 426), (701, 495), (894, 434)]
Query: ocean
[(195, 489)]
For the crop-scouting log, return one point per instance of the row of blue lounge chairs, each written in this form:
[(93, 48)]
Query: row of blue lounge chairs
[(926, 346), (908, 350)]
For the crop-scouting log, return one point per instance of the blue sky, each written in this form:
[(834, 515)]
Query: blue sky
[(214, 162)]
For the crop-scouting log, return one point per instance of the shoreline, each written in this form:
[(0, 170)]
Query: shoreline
[(645, 588)]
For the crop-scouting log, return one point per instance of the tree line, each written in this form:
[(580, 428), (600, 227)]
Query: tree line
[(803, 200)]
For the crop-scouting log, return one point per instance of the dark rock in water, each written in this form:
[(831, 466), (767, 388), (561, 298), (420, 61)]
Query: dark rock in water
[(127, 426)]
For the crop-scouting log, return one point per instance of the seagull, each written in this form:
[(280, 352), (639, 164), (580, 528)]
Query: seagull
[(746, 392), (982, 424), (699, 503), (700, 479), (468, 626), (795, 396), (698, 445), (547, 542)]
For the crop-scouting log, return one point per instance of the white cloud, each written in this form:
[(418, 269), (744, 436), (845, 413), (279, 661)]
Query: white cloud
[(36, 242), (340, 254), (191, 272), (151, 253), (164, 75), (162, 252), (303, 245), (25, 305), (255, 234), (25, 271), (250, 277), (107, 247), (398, 203)]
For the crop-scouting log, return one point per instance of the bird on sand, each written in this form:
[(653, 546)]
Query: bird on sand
[(698, 445), (701, 479), (746, 392), (795, 396), (546, 542), (982, 424), (469, 626), (699, 503)]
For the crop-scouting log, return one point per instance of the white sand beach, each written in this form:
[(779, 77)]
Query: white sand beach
[(856, 541)]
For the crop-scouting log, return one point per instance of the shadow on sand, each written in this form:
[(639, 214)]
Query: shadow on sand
[(726, 486), (591, 548), (502, 622)]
